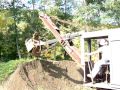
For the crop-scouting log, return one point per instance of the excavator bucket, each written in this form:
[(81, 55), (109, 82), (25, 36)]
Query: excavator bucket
[(29, 44)]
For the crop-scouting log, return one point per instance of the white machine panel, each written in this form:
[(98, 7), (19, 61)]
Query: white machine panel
[(115, 57)]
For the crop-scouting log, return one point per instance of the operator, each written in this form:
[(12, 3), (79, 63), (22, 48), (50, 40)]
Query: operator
[(105, 51)]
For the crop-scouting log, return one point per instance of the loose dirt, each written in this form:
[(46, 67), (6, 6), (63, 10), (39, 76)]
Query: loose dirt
[(46, 75)]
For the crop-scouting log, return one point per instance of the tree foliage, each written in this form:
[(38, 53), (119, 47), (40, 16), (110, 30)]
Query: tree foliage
[(18, 22), (98, 15)]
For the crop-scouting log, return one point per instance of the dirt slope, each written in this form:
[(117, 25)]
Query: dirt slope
[(46, 75)]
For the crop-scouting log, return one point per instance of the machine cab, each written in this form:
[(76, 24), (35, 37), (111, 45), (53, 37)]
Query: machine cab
[(108, 76)]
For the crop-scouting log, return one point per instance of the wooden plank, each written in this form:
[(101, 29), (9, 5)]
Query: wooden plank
[(103, 85), (96, 34), (99, 34)]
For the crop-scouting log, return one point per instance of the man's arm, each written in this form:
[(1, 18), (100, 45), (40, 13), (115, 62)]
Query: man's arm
[(95, 52)]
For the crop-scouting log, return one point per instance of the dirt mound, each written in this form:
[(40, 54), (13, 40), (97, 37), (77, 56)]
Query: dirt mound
[(46, 75)]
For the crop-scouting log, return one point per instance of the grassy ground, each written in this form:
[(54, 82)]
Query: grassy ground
[(6, 68)]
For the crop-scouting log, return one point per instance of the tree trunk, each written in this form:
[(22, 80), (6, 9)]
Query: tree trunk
[(16, 31)]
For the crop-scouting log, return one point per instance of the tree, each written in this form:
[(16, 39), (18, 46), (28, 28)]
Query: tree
[(97, 15), (111, 13)]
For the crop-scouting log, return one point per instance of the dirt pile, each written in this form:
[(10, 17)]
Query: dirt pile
[(46, 75)]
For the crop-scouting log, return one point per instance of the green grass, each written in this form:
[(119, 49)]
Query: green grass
[(6, 68)]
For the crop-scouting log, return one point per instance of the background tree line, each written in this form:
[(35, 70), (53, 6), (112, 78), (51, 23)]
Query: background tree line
[(20, 19)]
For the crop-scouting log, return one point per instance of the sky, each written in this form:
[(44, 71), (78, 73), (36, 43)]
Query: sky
[(26, 3), (37, 4)]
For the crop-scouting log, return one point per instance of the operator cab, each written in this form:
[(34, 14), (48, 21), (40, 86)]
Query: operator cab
[(109, 76)]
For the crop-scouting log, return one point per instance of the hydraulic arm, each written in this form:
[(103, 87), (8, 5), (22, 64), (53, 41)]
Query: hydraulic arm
[(71, 50)]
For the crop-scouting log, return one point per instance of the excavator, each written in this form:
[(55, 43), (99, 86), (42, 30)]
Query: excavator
[(105, 81), (73, 52)]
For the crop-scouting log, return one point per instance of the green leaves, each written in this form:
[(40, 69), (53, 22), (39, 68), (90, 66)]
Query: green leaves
[(18, 23), (112, 9), (104, 14), (5, 19), (89, 14), (6, 68)]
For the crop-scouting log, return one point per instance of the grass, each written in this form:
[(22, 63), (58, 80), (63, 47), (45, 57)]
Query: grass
[(6, 68)]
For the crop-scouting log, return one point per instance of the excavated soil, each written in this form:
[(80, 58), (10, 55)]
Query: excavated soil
[(46, 75)]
